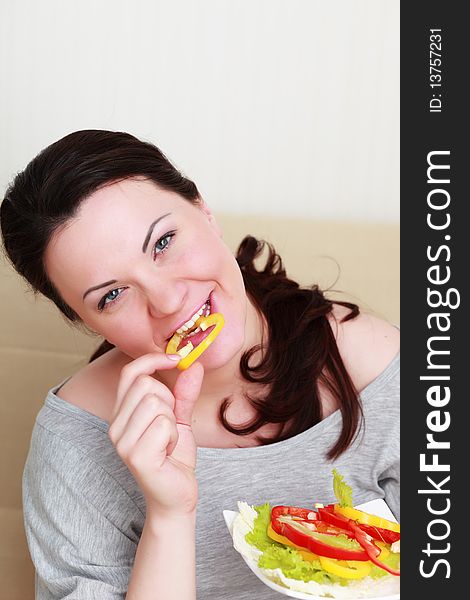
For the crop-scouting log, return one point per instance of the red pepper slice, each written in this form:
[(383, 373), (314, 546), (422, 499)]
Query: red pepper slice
[(379, 534), (372, 550), (306, 530), (364, 537), (305, 514), (328, 515), (308, 514), (296, 532)]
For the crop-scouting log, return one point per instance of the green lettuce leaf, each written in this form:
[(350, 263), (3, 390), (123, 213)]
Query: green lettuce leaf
[(342, 490), (259, 537), (294, 566)]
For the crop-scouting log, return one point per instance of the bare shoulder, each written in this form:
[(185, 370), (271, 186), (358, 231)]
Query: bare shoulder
[(367, 345), (93, 388)]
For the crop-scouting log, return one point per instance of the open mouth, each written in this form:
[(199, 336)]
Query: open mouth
[(191, 334), (190, 328), (194, 335)]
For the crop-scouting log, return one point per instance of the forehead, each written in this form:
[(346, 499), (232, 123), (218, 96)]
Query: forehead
[(110, 225), (132, 198), (124, 207)]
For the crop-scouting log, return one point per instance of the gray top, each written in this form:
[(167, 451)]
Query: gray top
[(84, 512)]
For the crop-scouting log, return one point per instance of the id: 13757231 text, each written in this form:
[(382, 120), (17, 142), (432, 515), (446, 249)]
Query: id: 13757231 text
[(435, 72)]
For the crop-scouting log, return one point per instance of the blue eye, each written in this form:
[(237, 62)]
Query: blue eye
[(110, 298), (163, 243), (113, 296)]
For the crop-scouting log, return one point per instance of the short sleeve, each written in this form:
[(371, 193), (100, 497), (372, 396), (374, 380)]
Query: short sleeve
[(382, 424), (81, 525), (390, 483)]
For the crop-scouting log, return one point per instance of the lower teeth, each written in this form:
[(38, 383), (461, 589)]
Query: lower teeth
[(194, 332), (206, 312)]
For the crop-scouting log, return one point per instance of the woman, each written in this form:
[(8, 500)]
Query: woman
[(115, 501)]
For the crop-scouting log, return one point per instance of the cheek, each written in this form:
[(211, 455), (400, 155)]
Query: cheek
[(130, 336), (203, 256)]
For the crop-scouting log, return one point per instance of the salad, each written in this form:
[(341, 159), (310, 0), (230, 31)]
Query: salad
[(335, 550)]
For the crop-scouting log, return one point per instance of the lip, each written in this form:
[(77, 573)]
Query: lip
[(198, 306)]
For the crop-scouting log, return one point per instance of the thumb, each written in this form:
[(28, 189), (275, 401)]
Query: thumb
[(186, 392)]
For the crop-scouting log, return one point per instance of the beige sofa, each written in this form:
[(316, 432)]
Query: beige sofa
[(38, 349)]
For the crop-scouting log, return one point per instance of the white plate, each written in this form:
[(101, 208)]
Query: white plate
[(376, 507)]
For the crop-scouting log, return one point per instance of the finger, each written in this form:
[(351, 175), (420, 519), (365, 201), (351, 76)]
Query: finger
[(148, 409), (142, 386), (186, 392), (151, 449), (144, 365)]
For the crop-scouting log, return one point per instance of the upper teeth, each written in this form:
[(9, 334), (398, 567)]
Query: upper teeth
[(204, 310)]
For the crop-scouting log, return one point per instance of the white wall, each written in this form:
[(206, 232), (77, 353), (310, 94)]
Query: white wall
[(289, 107)]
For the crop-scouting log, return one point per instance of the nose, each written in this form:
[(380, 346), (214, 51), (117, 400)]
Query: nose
[(165, 298)]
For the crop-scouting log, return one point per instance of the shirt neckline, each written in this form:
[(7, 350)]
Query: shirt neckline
[(55, 402)]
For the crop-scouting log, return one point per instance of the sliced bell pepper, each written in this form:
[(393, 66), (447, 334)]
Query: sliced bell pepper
[(382, 535), (304, 514), (329, 515), (333, 516), (306, 554), (312, 536), (203, 322), (349, 569), (373, 551), (307, 516), (364, 518), (384, 550)]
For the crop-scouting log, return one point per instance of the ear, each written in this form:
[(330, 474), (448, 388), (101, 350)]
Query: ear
[(210, 217)]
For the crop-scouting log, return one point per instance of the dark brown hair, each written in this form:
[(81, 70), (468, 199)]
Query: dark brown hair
[(50, 191), (302, 353)]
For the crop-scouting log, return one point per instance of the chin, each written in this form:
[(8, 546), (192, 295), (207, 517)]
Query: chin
[(135, 353), (223, 350)]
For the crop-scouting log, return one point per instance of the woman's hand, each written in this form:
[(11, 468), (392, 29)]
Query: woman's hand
[(151, 430)]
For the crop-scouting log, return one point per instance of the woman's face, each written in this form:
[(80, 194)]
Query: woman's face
[(137, 262)]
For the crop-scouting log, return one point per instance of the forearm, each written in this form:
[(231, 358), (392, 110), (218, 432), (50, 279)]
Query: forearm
[(165, 561)]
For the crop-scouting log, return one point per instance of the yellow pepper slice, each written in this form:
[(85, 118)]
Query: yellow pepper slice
[(203, 322), (349, 569), (362, 517), (306, 554), (385, 551)]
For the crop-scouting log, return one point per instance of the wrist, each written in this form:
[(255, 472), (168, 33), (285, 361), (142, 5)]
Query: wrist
[(171, 510), (162, 522)]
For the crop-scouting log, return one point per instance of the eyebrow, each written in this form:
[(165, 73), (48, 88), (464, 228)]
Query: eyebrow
[(144, 250), (97, 287), (149, 232)]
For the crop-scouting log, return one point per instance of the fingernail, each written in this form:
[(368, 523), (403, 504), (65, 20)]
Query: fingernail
[(174, 356)]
